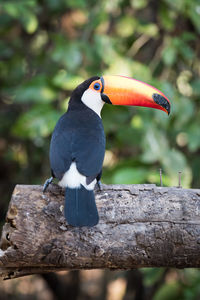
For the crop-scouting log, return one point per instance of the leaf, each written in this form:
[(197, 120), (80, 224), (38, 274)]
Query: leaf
[(129, 176), (66, 81), (67, 54), (194, 13), (193, 134), (30, 22), (183, 108), (173, 162), (75, 4), (149, 29), (138, 4), (167, 17), (188, 36), (186, 51), (24, 12), (126, 26), (154, 144), (169, 55), (196, 86), (168, 291), (36, 90), (37, 122)]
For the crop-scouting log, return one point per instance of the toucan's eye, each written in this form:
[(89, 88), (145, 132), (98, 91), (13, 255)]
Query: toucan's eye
[(97, 86)]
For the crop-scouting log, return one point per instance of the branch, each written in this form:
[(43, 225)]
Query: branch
[(140, 226)]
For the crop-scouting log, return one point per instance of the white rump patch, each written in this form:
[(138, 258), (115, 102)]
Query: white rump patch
[(92, 99), (73, 179)]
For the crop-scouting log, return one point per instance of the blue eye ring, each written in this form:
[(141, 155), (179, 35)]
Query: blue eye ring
[(97, 86)]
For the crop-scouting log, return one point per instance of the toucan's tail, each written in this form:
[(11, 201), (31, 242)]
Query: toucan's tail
[(80, 207)]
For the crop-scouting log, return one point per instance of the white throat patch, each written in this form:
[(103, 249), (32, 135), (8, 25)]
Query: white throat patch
[(93, 100)]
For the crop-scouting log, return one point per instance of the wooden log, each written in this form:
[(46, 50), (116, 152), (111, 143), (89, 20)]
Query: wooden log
[(140, 226)]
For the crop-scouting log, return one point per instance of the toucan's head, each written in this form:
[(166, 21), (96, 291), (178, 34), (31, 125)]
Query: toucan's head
[(120, 90)]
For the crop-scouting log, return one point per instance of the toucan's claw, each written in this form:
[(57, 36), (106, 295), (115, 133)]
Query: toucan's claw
[(99, 185), (46, 184)]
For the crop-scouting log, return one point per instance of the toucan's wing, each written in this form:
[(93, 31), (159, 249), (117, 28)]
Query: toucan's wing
[(60, 148), (60, 155), (88, 150)]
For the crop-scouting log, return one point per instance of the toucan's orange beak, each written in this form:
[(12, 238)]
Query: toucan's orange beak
[(120, 90)]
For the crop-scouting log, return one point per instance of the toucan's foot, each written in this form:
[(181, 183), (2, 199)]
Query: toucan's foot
[(46, 184), (99, 185)]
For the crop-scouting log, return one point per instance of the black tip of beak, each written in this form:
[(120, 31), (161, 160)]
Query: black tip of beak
[(162, 101)]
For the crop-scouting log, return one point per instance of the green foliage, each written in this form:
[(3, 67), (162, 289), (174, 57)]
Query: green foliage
[(129, 175), (39, 122), (48, 47)]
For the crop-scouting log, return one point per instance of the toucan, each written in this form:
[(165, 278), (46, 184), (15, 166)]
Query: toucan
[(77, 145)]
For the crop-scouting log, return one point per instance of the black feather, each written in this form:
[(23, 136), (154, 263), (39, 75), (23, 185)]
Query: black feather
[(80, 207)]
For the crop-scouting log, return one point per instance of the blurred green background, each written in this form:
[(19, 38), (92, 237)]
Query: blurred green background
[(46, 49)]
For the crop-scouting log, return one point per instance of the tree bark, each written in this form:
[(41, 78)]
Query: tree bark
[(140, 226)]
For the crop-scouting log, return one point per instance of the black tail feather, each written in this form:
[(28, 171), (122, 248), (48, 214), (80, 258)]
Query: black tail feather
[(80, 207)]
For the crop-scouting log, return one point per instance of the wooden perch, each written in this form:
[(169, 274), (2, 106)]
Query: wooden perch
[(140, 226)]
